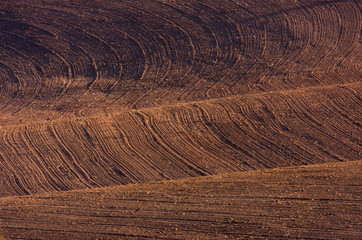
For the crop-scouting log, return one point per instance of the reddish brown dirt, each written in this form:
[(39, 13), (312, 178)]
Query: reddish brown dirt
[(75, 58), (241, 133), (313, 202), (106, 93)]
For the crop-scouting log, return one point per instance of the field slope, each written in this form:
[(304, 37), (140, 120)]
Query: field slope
[(313, 202), (99, 94), (242, 133)]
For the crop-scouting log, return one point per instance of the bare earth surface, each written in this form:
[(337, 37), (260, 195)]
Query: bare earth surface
[(180, 119), (313, 202)]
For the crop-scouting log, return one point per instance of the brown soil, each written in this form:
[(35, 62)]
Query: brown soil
[(242, 133), (74, 58), (313, 202), (102, 93)]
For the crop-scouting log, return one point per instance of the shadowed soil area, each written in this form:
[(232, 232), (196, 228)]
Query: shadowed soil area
[(180, 119)]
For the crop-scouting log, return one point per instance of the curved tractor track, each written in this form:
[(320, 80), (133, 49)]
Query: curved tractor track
[(74, 58), (125, 92), (105, 93), (258, 131)]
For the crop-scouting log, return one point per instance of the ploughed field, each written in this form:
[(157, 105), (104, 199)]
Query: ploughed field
[(101, 93), (309, 202)]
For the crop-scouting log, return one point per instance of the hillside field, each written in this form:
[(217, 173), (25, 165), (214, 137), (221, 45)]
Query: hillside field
[(175, 119)]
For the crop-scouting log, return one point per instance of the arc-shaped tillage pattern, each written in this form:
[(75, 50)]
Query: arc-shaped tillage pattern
[(257, 131), (71, 59)]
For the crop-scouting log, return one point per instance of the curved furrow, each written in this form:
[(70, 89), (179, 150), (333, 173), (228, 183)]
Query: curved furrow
[(37, 53), (125, 164), (256, 139), (225, 135), (354, 115), (8, 88), (329, 141), (140, 162), (333, 138), (246, 49), (304, 133), (95, 94), (39, 50), (165, 155), (72, 158), (345, 40), (247, 134), (92, 159), (89, 65), (306, 52), (40, 158), (150, 53), (180, 130), (18, 82), (19, 177), (151, 42), (284, 79), (147, 153), (65, 30), (196, 131), (98, 164), (275, 113), (58, 41), (184, 32), (256, 126), (9, 171), (173, 146), (303, 117), (348, 42), (168, 75), (211, 119), (114, 156)]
